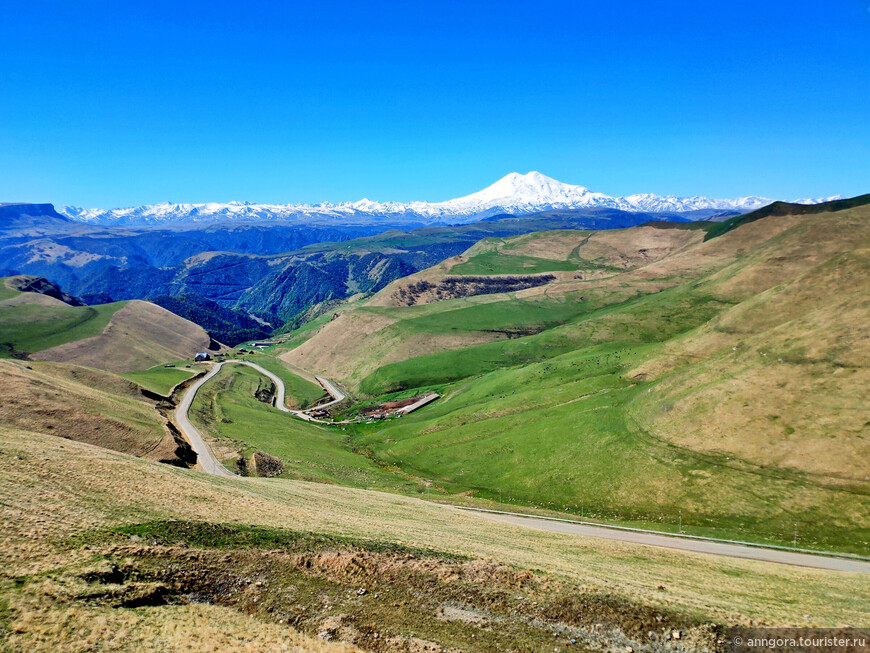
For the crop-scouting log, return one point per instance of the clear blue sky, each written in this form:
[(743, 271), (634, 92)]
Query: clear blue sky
[(121, 103)]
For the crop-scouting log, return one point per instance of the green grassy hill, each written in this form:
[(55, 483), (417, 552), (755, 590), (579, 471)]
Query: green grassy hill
[(32, 327), (662, 373), (120, 337), (5, 291)]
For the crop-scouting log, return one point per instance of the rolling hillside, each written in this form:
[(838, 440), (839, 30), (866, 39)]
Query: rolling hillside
[(278, 272), (631, 375), (653, 376), (657, 371), (138, 335), (102, 547), (438, 309), (118, 337), (61, 387), (86, 405), (17, 286)]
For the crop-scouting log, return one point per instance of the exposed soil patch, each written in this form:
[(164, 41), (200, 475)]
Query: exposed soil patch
[(390, 406), (466, 286), (378, 596), (267, 464)]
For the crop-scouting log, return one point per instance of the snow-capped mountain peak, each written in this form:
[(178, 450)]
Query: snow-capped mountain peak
[(519, 194), (532, 188)]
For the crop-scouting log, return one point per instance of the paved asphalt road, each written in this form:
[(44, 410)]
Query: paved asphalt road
[(210, 464), (205, 457), (686, 544), (336, 394)]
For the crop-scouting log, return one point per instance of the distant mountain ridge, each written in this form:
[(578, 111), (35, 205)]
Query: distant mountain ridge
[(276, 271), (515, 193)]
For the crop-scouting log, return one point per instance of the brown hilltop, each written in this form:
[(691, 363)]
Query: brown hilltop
[(138, 336)]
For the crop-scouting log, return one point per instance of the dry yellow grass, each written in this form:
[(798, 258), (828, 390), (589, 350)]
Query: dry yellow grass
[(32, 298), (51, 489), (783, 378), (554, 246), (140, 335), (82, 404), (620, 248), (40, 626), (810, 418)]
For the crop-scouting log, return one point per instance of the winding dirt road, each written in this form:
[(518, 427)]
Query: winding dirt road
[(210, 464)]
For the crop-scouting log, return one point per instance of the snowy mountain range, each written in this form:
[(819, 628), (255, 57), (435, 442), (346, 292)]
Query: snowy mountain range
[(515, 193)]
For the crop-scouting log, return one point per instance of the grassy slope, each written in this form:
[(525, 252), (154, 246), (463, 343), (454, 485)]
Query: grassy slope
[(225, 409), (548, 430), (5, 291), (784, 208), (82, 404), (560, 435), (300, 392), (553, 251), (32, 328), (564, 324), (629, 410), (367, 337), (492, 262), (83, 488), (140, 335), (160, 379)]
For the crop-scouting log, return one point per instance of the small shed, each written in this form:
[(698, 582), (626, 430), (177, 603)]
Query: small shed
[(202, 356)]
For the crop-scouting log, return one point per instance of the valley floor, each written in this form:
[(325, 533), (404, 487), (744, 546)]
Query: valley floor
[(209, 463)]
